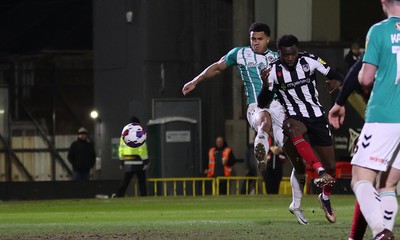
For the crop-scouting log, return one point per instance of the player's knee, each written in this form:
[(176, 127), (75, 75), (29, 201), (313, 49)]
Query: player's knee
[(294, 129)]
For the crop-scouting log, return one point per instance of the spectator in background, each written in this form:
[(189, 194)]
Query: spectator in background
[(220, 162), (352, 56), (82, 156), (251, 164), (273, 175), (134, 161)]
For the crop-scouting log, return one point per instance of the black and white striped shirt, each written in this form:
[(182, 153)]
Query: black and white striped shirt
[(296, 89)]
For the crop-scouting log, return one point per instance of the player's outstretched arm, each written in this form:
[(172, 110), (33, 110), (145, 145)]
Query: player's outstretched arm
[(266, 95), (333, 84), (210, 72), (334, 81), (336, 115)]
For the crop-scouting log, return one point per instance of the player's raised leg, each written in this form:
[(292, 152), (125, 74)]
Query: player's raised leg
[(263, 126)]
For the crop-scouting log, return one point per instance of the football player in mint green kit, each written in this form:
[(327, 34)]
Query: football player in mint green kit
[(250, 60), (379, 141)]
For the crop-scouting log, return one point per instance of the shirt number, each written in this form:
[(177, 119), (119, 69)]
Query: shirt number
[(396, 50)]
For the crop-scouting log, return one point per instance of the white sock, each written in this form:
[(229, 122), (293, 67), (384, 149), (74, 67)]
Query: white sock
[(297, 188), (370, 205), (389, 208), (325, 197), (320, 169)]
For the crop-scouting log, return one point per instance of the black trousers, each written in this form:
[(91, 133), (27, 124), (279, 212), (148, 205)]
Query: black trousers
[(141, 175), (272, 178)]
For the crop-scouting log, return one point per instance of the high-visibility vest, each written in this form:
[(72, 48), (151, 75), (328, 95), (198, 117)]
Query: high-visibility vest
[(211, 162), (132, 156)]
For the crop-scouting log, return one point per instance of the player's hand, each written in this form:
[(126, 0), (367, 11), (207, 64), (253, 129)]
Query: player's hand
[(333, 85), (336, 115), (275, 150), (264, 75), (188, 87)]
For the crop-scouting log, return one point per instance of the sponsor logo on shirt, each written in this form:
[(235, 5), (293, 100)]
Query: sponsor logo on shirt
[(270, 58), (306, 67), (321, 61), (257, 65), (292, 85)]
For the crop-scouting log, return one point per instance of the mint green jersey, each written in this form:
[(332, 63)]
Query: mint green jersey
[(383, 51), (250, 65)]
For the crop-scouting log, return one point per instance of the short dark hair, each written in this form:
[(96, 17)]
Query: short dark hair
[(260, 27), (287, 41)]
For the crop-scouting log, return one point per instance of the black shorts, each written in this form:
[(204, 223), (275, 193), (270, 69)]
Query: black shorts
[(318, 130)]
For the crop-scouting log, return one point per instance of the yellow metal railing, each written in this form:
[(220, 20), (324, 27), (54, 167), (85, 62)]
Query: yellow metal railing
[(234, 184), (163, 183), (210, 186)]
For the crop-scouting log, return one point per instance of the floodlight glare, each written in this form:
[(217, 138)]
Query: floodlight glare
[(94, 114)]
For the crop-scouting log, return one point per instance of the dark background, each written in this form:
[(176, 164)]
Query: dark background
[(29, 26), (33, 25)]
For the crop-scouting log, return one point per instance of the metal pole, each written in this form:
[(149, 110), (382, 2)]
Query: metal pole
[(53, 135)]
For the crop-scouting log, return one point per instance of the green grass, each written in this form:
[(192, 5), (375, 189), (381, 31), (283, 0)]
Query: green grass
[(233, 217)]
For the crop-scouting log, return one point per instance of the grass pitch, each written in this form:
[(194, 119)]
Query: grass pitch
[(211, 217)]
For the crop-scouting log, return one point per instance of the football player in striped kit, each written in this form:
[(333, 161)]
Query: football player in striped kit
[(267, 120), (294, 78)]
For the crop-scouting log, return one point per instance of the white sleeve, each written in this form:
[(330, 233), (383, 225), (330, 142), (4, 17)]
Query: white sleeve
[(320, 65)]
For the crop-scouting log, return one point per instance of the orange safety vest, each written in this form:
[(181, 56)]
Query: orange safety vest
[(211, 162)]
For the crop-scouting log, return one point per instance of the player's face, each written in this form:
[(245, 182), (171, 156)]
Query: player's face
[(259, 42), (289, 56)]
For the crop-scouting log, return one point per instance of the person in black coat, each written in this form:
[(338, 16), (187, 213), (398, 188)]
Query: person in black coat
[(82, 156), (352, 56)]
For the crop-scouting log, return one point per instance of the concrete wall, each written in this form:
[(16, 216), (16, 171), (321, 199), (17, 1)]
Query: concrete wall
[(295, 17), (166, 44), (309, 20)]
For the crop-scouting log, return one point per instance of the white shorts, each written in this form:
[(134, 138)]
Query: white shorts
[(277, 116), (378, 146)]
